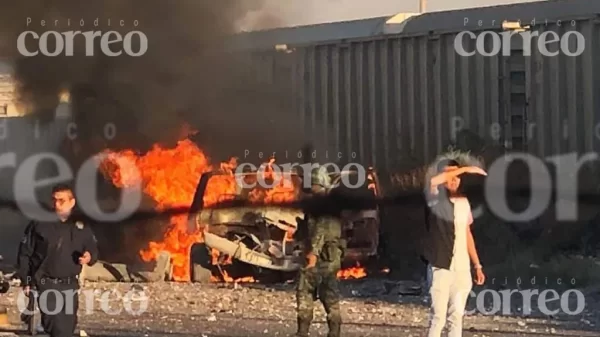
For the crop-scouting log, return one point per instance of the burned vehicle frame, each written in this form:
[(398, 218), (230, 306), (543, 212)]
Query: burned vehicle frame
[(269, 239)]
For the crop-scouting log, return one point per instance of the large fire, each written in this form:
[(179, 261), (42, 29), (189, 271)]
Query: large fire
[(170, 178)]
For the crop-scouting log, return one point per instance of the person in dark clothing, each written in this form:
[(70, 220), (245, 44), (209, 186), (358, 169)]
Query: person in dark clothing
[(50, 259)]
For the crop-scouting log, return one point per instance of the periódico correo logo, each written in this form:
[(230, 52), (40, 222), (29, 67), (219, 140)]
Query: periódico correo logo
[(571, 43), (64, 42)]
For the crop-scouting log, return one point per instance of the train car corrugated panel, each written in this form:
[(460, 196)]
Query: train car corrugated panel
[(392, 100), (563, 105), (396, 100)]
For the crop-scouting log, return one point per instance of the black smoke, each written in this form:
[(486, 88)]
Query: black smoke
[(188, 75)]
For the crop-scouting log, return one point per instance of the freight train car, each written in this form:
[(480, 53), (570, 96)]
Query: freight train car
[(389, 90)]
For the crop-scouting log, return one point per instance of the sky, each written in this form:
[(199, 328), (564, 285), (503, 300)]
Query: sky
[(304, 12)]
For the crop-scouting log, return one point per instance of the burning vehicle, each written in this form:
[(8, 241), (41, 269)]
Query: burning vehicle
[(226, 243), (269, 238)]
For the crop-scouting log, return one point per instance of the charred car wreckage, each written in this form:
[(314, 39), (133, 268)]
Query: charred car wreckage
[(263, 241), (270, 239)]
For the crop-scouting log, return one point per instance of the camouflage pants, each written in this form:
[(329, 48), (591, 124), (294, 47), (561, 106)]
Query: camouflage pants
[(320, 281)]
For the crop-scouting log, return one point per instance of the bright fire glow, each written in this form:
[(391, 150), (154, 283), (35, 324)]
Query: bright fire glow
[(170, 177)]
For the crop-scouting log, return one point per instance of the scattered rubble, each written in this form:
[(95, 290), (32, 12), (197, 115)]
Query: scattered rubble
[(371, 306)]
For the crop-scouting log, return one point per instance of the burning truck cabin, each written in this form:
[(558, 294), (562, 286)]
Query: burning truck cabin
[(269, 239)]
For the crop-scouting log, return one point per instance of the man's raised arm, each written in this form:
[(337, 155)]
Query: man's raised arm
[(441, 178)]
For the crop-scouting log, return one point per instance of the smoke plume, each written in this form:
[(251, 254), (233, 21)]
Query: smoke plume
[(186, 76)]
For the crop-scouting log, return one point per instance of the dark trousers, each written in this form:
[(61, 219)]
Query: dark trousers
[(58, 303)]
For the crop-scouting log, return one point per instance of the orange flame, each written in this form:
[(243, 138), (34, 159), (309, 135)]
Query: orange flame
[(170, 177), (353, 272)]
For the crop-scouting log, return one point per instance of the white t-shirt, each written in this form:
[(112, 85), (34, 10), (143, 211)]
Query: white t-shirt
[(462, 219)]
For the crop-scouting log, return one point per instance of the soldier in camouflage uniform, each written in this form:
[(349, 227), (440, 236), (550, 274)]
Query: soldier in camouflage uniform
[(319, 277)]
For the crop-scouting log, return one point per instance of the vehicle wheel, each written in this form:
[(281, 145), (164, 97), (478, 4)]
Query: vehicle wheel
[(200, 263)]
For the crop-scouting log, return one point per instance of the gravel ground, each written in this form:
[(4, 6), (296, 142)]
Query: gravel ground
[(370, 308)]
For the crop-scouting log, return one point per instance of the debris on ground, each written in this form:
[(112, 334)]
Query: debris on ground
[(368, 305)]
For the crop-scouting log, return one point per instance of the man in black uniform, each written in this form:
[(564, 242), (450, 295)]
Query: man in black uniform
[(51, 257)]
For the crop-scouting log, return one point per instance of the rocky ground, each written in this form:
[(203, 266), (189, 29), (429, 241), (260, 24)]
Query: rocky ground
[(371, 307)]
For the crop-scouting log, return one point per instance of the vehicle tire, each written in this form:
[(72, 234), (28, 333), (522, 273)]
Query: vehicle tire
[(200, 263)]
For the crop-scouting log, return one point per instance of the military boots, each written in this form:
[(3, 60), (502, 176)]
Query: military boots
[(335, 329), (303, 328)]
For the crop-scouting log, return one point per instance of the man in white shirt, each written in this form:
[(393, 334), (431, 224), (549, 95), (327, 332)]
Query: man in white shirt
[(449, 248)]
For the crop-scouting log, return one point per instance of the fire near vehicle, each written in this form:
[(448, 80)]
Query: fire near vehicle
[(269, 238)]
